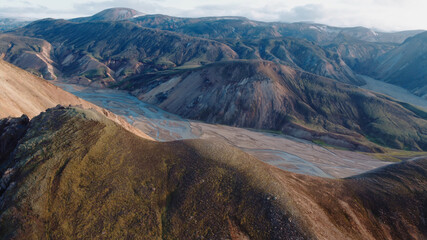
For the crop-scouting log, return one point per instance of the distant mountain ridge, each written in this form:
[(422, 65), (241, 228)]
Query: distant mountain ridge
[(7, 24), (132, 50), (243, 28), (248, 39)]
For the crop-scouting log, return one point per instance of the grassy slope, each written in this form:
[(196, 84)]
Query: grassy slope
[(84, 177), (79, 175)]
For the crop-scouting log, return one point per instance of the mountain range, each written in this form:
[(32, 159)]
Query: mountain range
[(70, 169), (243, 28)]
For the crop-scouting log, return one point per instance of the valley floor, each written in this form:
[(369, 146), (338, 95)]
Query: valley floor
[(282, 151)]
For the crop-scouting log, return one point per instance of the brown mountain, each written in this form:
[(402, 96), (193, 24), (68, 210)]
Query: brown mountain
[(75, 174), (266, 95), (7, 24), (23, 93)]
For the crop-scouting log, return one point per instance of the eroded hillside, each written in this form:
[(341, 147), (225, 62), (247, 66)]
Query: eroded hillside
[(266, 95)]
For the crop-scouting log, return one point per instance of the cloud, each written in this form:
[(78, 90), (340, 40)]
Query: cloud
[(31, 12), (90, 8), (309, 12), (276, 12)]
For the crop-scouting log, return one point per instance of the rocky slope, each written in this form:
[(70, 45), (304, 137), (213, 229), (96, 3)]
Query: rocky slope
[(23, 93), (405, 65), (32, 54), (266, 95), (75, 174)]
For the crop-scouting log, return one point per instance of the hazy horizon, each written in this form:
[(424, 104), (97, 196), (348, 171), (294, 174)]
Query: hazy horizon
[(384, 15)]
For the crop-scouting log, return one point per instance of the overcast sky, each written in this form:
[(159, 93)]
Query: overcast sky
[(380, 14)]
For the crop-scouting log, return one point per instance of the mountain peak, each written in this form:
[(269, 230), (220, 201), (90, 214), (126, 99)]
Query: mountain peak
[(117, 14), (111, 14)]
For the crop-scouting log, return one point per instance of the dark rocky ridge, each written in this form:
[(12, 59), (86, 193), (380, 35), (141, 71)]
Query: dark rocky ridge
[(11, 131)]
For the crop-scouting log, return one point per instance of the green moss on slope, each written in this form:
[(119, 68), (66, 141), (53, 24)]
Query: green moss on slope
[(77, 175), (84, 177)]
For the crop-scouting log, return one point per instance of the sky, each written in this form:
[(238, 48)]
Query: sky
[(386, 15)]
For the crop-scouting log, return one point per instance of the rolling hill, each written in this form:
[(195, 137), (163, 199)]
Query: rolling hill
[(323, 50)]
